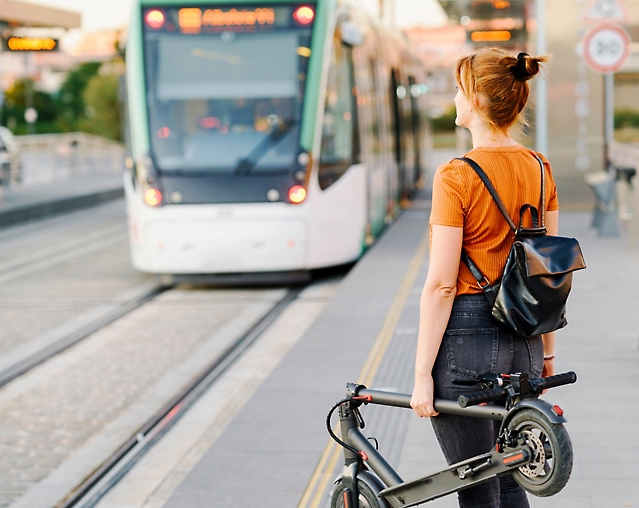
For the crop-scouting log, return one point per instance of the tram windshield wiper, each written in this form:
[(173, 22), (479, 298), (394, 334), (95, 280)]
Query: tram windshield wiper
[(246, 165)]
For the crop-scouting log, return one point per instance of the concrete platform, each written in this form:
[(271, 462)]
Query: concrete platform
[(275, 451), (21, 204)]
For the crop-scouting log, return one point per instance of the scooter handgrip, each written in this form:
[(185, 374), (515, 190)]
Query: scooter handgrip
[(541, 384), (479, 397)]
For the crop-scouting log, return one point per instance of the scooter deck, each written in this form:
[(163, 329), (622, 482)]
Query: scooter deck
[(458, 476)]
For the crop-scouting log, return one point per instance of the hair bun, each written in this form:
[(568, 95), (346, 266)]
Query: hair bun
[(526, 67)]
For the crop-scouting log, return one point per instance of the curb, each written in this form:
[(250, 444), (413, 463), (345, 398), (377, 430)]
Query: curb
[(57, 206)]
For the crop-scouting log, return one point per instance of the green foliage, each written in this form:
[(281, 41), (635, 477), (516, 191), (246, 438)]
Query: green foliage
[(86, 101), (626, 117), (38, 128), (445, 122), (71, 96), (15, 104), (102, 107)]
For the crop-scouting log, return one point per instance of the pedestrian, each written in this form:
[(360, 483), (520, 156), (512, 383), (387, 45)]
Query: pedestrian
[(459, 342)]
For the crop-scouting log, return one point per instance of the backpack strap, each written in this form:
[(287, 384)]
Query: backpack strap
[(491, 189), (542, 198), (482, 281)]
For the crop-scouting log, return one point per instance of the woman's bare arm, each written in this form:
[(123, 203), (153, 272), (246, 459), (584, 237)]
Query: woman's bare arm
[(435, 306)]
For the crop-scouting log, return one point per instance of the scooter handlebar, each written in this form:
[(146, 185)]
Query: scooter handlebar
[(538, 385), (480, 397)]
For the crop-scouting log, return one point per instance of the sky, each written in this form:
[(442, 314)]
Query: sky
[(99, 14)]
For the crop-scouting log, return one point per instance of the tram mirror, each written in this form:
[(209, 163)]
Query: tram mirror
[(351, 35)]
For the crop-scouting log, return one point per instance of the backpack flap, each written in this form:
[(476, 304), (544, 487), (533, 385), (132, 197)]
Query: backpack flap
[(550, 255)]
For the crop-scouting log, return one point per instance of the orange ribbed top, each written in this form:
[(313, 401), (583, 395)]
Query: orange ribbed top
[(460, 199)]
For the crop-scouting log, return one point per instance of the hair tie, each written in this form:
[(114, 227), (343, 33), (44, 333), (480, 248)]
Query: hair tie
[(520, 70)]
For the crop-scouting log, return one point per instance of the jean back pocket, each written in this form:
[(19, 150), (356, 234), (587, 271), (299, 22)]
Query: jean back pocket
[(472, 352)]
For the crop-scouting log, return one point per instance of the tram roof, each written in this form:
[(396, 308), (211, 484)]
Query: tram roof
[(18, 13)]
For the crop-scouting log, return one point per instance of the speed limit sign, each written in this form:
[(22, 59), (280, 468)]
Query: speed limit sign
[(606, 47)]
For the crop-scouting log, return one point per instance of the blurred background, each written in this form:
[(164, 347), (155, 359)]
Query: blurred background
[(72, 91), (216, 148)]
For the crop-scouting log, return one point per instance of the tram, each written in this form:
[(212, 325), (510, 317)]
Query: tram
[(266, 136)]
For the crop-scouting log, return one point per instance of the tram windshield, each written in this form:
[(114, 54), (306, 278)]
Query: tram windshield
[(225, 88)]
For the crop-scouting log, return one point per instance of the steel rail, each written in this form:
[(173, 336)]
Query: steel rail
[(88, 493), (26, 364)]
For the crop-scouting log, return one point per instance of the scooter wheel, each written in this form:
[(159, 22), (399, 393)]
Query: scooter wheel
[(367, 496), (549, 470)]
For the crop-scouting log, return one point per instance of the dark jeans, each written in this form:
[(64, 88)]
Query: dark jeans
[(474, 345)]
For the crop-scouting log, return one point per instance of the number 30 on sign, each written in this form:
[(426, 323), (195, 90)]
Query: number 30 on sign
[(606, 47)]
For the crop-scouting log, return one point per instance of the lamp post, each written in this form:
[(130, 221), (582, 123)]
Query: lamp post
[(541, 109)]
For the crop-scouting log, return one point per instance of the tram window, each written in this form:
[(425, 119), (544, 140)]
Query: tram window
[(340, 146), (215, 99)]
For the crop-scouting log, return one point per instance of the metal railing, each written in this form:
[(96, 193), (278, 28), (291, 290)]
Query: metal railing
[(52, 157)]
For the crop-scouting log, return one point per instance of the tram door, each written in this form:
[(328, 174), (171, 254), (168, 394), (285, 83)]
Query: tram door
[(416, 129), (398, 131), (405, 139)]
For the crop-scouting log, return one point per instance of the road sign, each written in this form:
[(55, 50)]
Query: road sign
[(606, 10), (14, 43), (606, 47)]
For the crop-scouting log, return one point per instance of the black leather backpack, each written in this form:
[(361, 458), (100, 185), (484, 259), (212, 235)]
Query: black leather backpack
[(531, 297)]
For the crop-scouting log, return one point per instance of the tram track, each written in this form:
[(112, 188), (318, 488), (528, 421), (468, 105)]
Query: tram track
[(104, 477), (27, 363)]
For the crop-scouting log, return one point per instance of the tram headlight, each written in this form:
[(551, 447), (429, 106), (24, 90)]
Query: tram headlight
[(155, 19), (153, 197), (296, 194), (304, 15)]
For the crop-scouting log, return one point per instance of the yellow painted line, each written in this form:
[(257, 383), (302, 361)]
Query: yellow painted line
[(332, 452)]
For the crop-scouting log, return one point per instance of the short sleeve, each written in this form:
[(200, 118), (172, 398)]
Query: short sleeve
[(450, 197), (551, 186)]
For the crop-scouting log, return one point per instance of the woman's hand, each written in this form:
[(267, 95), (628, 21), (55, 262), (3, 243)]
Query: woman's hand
[(549, 368), (422, 399)]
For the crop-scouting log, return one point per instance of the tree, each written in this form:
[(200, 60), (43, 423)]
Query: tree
[(16, 99), (71, 96), (102, 107)]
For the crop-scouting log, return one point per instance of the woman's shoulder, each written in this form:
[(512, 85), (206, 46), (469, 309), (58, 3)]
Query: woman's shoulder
[(450, 168), (451, 175), (541, 156)]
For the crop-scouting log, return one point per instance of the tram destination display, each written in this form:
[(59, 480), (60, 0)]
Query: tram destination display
[(215, 19), (21, 44)]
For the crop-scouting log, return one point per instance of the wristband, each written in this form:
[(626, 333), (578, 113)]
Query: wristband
[(551, 356)]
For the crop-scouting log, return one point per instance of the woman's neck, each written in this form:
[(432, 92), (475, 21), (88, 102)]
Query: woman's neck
[(484, 136)]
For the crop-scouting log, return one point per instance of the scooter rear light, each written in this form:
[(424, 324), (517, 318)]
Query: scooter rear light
[(557, 410)]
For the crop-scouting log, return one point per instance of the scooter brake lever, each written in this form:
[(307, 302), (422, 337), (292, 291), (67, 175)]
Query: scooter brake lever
[(490, 381)]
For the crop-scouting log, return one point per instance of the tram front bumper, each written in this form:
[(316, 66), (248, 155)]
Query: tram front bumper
[(219, 246)]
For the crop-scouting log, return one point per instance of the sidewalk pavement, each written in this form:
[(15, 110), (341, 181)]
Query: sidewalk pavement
[(601, 344), (21, 204)]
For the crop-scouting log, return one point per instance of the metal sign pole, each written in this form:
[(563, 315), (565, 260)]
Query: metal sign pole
[(609, 113), (541, 108)]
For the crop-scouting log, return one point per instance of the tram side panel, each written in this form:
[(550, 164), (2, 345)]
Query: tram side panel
[(337, 190)]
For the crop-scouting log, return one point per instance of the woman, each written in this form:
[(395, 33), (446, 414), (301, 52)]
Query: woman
[(458, 340)]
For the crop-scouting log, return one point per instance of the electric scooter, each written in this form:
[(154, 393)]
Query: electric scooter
[(532, 444)]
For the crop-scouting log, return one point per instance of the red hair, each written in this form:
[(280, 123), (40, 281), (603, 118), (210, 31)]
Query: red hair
[(500, 81)]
